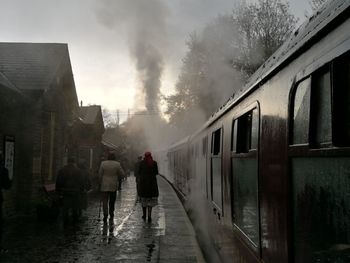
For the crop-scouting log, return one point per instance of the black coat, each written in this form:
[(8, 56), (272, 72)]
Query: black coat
[(70, 180), (148, 186)]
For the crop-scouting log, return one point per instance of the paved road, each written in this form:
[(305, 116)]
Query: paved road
[(169, 237)]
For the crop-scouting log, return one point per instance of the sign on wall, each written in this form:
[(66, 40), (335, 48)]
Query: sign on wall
[(9, 154)]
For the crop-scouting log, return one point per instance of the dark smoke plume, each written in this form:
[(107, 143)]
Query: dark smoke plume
[(145, 23)]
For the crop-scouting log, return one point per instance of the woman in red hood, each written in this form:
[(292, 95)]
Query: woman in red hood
[(148, 170)]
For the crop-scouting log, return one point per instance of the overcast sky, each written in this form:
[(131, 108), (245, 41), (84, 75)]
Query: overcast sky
[(98, 37)]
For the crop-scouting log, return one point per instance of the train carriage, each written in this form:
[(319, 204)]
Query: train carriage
[(273, 164)]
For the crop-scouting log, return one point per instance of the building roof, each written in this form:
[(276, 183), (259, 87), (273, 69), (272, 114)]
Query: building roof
[(32, 66), (110, 145), (4, 82), (90, 114)]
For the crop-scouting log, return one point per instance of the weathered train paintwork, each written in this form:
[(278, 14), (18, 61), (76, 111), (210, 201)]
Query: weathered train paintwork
[(273, 164)]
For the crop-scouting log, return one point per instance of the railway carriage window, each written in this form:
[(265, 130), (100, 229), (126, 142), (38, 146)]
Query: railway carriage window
[(244, 133), (255, 129), (321, 123), (320, 179), (233, 140), (216, 189), (301, 113), (245, 176), (216, 142), (204, 146), (341, 105)]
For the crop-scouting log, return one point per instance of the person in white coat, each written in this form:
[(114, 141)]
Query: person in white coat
[(109, 172)]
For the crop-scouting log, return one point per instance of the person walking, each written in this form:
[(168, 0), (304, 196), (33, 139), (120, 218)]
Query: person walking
[(136, 174), (86, 185), (148, 185), (69, 185), (5, 183), (109, 173)]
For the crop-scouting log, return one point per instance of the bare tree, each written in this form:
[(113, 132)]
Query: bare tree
[(224, 55), (263, 27), (207, 76), (110, 118), (316, 4)]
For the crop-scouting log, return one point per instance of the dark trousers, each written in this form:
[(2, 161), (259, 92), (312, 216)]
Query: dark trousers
[(108, 201), (71, 203)]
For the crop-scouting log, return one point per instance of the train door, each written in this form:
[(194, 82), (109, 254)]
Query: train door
[(244, 177), (216, 172), (319, 163), (203, 167)]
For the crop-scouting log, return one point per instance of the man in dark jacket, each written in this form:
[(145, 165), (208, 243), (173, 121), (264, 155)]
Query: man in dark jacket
[(86, 184), (69, 185), (5, 183), (136, 174)]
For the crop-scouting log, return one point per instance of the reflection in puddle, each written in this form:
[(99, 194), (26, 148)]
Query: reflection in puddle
[(107, 233), (121, 225)]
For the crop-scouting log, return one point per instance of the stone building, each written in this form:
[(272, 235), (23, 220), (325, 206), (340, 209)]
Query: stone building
[(89, 133), (39, 109)]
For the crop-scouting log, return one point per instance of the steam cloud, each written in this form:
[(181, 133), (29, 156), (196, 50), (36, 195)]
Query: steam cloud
[(145, 23)]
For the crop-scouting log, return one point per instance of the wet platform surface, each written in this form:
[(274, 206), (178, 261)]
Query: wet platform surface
[(168, 238)]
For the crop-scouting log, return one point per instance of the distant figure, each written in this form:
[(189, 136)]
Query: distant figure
[(121, 178), (5, 183), (69, 185), (148, 186), (109, 174), (136, 174), (86, 184)]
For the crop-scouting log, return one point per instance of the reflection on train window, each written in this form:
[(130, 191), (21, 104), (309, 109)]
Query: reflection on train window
[(255, 130), (301, 112), (245, 176), (233, 141), (216, 180), (321, 121), (322, 117)]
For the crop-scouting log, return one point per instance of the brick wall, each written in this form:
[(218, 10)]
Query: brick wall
[(12, 124)]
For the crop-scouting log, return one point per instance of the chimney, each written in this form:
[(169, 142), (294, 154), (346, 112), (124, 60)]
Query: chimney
[(81, 103)]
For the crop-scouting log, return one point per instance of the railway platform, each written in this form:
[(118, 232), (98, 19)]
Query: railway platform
[(168, 238)]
